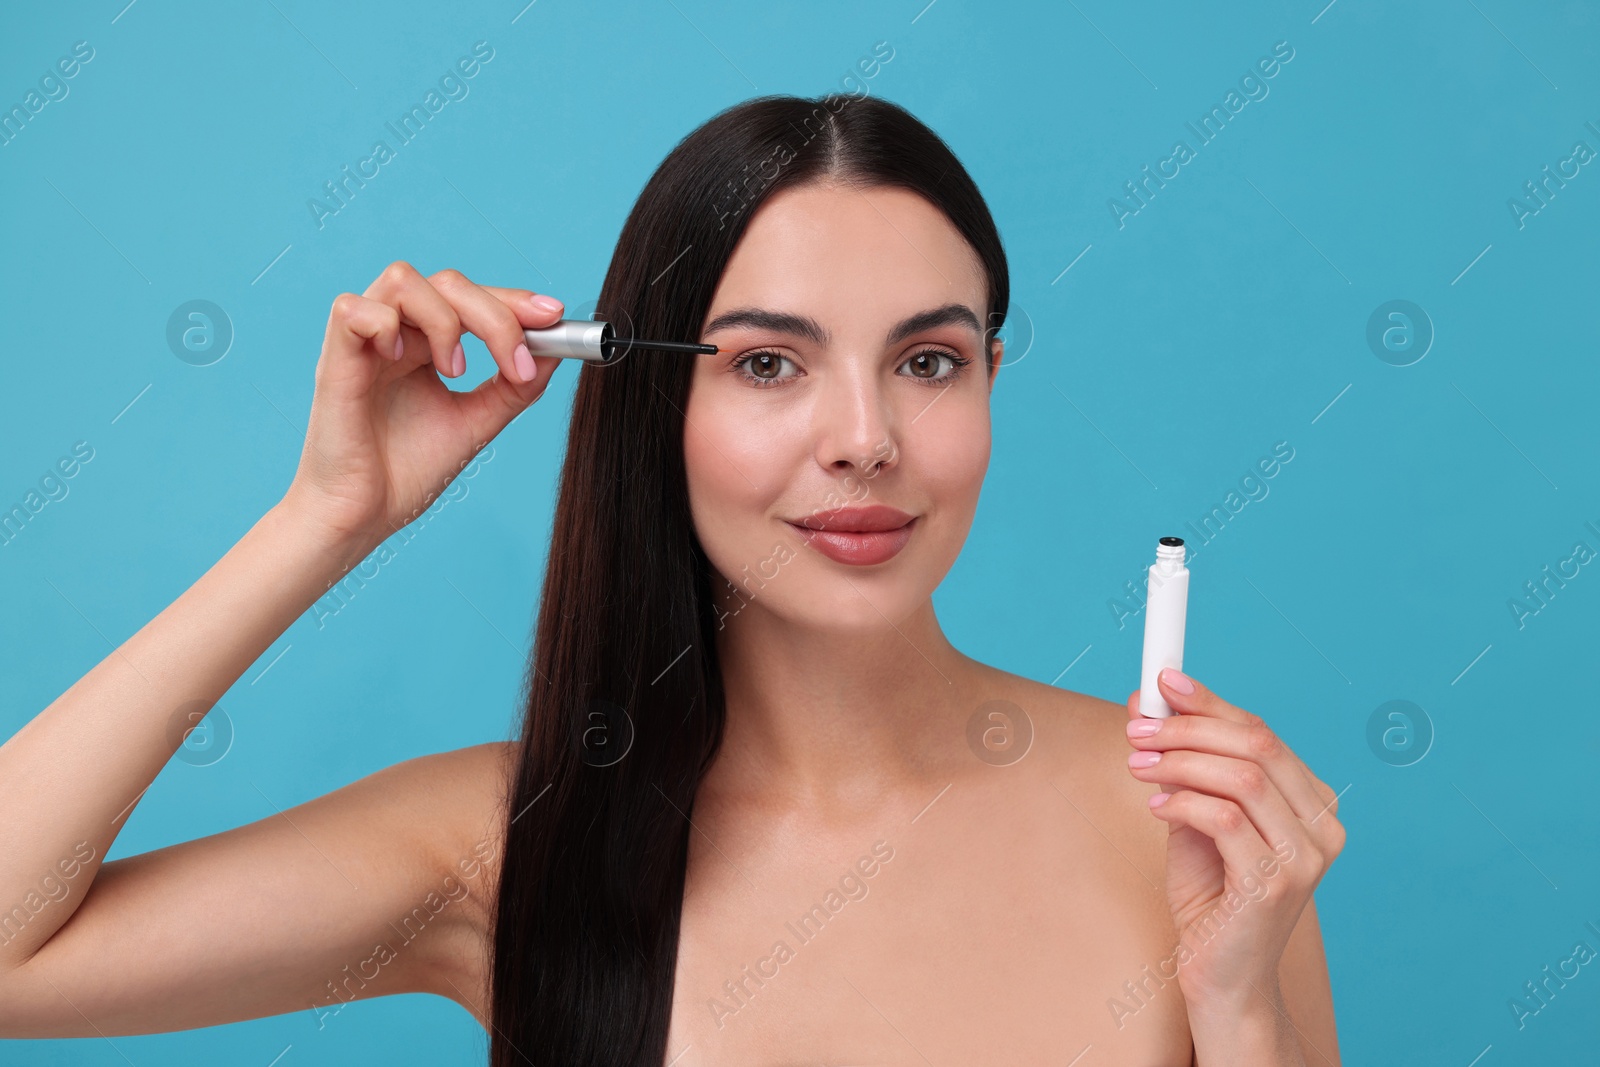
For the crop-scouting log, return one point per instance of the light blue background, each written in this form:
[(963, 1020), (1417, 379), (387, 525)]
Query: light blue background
[(1226, 316)]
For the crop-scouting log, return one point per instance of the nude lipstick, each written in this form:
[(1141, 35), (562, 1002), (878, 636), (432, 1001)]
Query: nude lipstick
[(858, 537)]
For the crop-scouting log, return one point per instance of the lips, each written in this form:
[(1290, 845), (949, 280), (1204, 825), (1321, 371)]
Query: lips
[(857, 536)]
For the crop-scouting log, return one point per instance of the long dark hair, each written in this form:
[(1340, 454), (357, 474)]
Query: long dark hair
[(624, 691)]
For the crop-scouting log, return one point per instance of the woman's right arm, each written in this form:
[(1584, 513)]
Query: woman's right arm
[(374, 888)]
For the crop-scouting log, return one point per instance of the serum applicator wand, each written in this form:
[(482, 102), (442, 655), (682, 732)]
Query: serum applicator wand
[(594, 341)]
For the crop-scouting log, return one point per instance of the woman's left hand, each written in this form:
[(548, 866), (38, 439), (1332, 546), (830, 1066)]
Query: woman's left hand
[(1251, 831)]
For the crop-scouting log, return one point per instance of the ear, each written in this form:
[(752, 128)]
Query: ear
[(999, 346)]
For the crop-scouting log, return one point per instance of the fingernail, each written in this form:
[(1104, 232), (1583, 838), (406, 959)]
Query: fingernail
[(524, 363), (1144, 759), (458, 362), (1178, 680), (545, 303), (399, 347), (1143, 727), (1158, 799)]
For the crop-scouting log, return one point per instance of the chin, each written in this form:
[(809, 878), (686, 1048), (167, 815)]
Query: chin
[(859, 599)]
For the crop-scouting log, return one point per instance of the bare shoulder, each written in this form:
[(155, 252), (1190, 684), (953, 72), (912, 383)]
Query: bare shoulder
[(1081, 742), (470, 784), (466, 791), (1077, 725)]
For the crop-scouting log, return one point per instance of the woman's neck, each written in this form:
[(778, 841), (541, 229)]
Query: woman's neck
[(835, 719)]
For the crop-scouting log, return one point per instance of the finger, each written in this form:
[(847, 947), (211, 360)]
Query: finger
[(490, 405), (1204, 701), (493, 319), (1241, 847), (533, 311), (529, 305), (359, 331), (423, 307), (1256, 743), (1191, 698), (1242, 782)]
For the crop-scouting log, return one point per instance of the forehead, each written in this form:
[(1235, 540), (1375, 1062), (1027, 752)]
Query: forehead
[(821, 248)]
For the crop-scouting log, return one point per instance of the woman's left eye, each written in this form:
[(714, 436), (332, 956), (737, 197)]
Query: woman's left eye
[(930, 357)]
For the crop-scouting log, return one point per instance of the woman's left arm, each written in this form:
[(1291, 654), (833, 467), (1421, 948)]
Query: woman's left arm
[(1250, 832)]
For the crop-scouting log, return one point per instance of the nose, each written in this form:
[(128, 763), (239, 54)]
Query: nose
[(855, 423)]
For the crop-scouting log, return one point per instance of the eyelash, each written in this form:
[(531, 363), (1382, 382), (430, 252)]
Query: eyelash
[(960, 362)]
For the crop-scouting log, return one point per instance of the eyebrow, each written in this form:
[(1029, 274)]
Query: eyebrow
[(809, 328)]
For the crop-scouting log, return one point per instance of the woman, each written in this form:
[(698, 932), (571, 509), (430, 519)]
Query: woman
[(756, 814)]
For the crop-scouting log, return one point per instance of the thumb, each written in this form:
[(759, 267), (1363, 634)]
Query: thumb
[(490, 406)]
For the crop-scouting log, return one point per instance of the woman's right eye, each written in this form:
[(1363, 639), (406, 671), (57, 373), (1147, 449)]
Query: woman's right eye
[(763, 368)]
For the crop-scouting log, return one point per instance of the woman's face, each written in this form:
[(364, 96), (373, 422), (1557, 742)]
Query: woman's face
[(847, 306)]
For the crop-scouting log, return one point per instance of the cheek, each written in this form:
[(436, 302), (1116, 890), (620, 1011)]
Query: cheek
[(952, 453), (735, 468)]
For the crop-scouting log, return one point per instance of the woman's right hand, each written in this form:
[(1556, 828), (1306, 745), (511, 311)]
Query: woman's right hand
[(386, 435)]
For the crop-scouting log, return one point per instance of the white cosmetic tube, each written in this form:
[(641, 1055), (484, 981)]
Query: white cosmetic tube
[(1166, 603)]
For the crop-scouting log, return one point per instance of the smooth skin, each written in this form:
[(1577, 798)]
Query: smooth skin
[(141, 945), (1246, 813), (1019, 898)]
